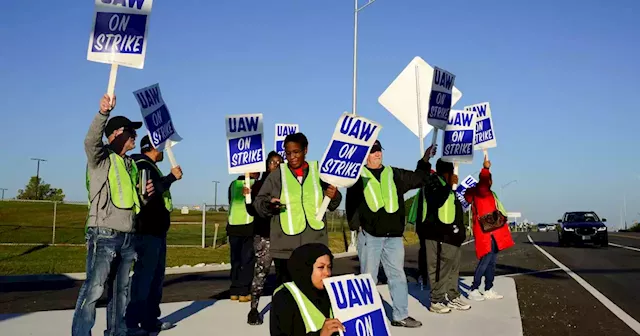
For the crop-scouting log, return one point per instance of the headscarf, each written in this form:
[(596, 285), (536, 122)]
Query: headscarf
[(300, 267)]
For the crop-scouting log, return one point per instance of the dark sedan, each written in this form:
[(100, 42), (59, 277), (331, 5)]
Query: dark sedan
[(582, 227)]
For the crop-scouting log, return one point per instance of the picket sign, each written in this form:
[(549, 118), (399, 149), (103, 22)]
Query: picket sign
[(245, 146), (458, 140), (414, 85), (347, 153), (157, 119), (485, 136), (356, 303), (119, 35), (468, 182)]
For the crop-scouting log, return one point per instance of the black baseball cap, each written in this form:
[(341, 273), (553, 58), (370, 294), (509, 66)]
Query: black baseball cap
[(119, 122), (145, 143), (377, 147)]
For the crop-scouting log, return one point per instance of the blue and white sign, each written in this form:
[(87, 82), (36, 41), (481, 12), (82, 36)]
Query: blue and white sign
[(440, 98), (156, 117), (282, 130), (485, 134), (356, 303), (119, 34), (458, 137), (245, 143), (348, 150), (468, 182)]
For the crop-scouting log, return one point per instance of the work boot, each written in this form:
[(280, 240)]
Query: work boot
[(234, 297), (245, 298), (254, 317)]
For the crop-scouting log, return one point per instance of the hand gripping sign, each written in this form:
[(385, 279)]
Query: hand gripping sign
[(356, 303), (119, 35), (468, 182), (156, 117), (245, 146), (485, 133), (457, 144), (282, 130), (347, 153)]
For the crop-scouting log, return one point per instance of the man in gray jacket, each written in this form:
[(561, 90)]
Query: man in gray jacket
[(291, 195), (112, 185)]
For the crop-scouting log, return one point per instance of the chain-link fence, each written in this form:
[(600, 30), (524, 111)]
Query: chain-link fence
[(63, 223)]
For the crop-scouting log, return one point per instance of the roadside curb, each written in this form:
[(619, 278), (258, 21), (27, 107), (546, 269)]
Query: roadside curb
[(10, 279)]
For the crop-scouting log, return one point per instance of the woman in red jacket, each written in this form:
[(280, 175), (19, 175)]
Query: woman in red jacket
[(485, 201)]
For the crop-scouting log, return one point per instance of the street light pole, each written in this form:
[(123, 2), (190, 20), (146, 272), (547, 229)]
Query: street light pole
[(215, 198), (38, 174), (3, 190), (355, 51)]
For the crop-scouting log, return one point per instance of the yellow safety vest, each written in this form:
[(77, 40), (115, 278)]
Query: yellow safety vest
[(238, 214), (301, 201), (379, 194), (168, 203), (313, 318)]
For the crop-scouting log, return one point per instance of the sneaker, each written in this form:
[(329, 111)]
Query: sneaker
[(475, 295), (439, 308), (234, 297), (254, 317), (159, 326), (492, 295), (245, 298), (458, 304), (409, 322)]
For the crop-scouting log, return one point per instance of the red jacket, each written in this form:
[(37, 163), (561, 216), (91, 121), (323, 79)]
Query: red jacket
[(483, 202)]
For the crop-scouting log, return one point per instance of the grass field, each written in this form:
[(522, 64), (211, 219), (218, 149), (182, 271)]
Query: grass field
[(31, 222)]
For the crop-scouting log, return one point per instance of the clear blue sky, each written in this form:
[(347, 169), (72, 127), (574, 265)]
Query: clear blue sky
[(561, 77)]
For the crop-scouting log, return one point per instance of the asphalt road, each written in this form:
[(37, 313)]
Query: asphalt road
[(551, 302)]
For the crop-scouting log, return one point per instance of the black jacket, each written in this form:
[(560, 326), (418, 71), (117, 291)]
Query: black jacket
[(432, 228), (381, 223), (154, 218), (242, 230), (285, 319)]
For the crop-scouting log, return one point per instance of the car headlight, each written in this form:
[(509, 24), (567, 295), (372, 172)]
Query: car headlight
[(569, 229), (602, 228)]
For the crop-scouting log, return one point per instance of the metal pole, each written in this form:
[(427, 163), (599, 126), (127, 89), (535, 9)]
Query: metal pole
[(55, 211), (204, 221), (355, 55), (625, 212), (419, 107), (215, 196), (3, 190), (38, 174)]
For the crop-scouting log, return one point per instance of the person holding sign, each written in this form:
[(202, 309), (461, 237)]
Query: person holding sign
[(302, 306), (152, 225), (291, 195), (261, 244), (441, 224), (114, 201), (240, 232), (374, 206), (488, 241)]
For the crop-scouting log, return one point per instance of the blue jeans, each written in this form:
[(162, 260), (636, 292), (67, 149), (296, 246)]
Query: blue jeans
[(390, 250), (487, 268), (146, 283), (110, 255)]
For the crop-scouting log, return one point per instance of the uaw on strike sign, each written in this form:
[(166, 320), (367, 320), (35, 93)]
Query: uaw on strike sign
[(356, 303), (245, 143), (156, 117), (119, 34)]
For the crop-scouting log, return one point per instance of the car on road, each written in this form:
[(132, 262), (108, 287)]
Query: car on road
[(580, 227), (542, 227)]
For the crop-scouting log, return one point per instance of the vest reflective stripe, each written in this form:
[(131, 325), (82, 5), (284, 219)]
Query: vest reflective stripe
[(168, 202), (311, 316), (302, 201), (381, 193), (238, 214), (499, 205), (446, 213), (122, 184)]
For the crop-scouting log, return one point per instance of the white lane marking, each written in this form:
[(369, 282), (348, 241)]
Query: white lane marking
[(468, 242), (531, 273), (621, 314), (625, 247)]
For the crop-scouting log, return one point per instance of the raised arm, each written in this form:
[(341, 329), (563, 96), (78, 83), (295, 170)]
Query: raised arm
[(93, 145), (270, 189)]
